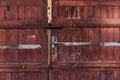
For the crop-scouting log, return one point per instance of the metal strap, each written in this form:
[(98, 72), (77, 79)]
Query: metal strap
[(86, 43), (20, 46), (107, 44)]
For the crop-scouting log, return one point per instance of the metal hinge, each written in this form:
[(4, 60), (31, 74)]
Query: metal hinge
[(55, 43)]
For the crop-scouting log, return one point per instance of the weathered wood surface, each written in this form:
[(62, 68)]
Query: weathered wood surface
[(22, 12), (86, 12), (86, 55)]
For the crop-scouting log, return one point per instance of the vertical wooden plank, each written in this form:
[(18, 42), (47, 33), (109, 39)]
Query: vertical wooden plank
[(64, 12), (104, 33), (8, 12), (49, 46), (79, 12), (2, 13), (35, 14), (103, 12), (116, 50), (91, 37), (7, 76), (11, 37), (84, 12), (28, 13), (110, 54), (85, 49), (97, 12), (110, 12), (21, 76), (21, 12), (116, 12), (14, 12), (97, 48), (25, 37), (15, 76), (90, 12), (31, 75), (2, 41)]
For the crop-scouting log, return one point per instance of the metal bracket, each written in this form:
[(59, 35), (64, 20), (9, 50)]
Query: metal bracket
[(107, 44), (20, 46)]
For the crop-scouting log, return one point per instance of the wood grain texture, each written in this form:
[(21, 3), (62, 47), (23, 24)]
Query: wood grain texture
[(20, 13), (23, 75), (77, 74), (88, 55), (85, 12), (24, 36)]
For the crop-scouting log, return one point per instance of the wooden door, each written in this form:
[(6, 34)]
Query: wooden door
[(86, 62), (23, 64), (22, 13)]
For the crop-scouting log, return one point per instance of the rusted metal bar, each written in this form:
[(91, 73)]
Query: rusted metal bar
[(55, 43), (20, 46), (86, 43), (107, 44)]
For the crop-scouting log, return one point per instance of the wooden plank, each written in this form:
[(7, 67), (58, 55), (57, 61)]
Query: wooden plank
[(103, 12), (97, 48), (15, 12), (91, 52), (21, 12), (88, 3), (84, 49), (110, 54), (28, 13), (110, 13), (104, 33), (116, 37), (2, 13)]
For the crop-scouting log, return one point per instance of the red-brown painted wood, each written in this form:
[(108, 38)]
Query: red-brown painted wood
[(86, 55), (23, 75), (74, 12), (64, 74), (22, 12), (24, 57)]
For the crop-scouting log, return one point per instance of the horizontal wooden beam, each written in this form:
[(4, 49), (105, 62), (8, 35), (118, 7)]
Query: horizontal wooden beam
[(88, 3)]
